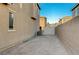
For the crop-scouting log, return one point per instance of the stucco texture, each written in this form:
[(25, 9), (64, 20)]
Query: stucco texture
[(24, 26), (68, 33)]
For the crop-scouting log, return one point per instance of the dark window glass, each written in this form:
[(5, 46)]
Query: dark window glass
[(10, 20)]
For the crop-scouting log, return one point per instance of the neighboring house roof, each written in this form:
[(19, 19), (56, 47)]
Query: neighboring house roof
[(75, 7), (65, 17)]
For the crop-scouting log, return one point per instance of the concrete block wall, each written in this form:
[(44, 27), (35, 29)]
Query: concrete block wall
[(68, 33)]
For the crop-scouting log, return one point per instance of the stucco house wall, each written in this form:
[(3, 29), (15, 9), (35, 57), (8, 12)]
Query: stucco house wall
[(42, 22), (24, 26), (75, 11), (68, 33)]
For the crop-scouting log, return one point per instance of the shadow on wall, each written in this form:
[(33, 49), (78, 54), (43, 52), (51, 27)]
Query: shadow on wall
[(68, 33)]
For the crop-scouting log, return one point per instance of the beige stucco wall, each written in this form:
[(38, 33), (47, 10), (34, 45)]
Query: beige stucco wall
[(24, 26), (65, 19), (42, 22), (68, 33)]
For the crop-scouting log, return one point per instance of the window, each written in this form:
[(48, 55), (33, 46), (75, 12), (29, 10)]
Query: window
[(77, 11), (11, 18)]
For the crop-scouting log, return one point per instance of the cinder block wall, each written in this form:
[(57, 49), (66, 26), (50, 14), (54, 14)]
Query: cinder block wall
[(68, 33)]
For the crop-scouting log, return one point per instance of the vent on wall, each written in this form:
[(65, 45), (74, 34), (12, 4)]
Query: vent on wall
[(5, 3), (33, 18)]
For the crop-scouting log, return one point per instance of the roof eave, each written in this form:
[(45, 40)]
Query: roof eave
[(38, 6), (74, 7)]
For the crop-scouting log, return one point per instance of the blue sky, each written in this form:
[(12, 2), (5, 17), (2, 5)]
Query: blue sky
[(55, 11)]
